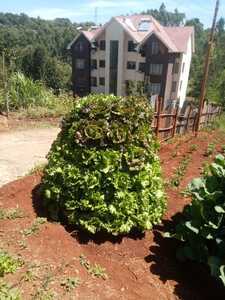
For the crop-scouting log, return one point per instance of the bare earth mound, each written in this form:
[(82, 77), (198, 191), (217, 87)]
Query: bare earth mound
[(136, 267)]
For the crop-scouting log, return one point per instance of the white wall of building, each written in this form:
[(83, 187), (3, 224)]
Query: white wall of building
[(114, 31), (184, 73), (133, 75), (99, 72)]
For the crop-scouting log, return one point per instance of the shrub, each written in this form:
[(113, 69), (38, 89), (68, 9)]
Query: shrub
[(32, 99), (8, 264), (201, 228), (103, 171)]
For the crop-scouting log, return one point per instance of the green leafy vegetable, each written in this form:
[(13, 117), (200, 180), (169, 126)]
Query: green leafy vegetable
[(202, 226), (103, 171)]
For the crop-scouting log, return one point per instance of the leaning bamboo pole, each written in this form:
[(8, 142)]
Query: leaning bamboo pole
[(206, 69)]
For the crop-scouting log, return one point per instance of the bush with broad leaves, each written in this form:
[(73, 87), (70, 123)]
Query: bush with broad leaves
[(201, 228), (103, 171)]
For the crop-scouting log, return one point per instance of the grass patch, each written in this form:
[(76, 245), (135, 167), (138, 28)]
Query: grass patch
[(8, 264), (35, 227), (95, 270), (33, 99), (8, 293), (180, 171), (70, 283), (220, 122), (37, 169), (11, 214), (210, 149), (193, 148)]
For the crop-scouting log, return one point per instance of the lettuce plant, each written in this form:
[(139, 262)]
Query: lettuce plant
[(201, 228), (103, 171)]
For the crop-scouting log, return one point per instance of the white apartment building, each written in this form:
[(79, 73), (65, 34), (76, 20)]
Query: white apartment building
[(133, 51)]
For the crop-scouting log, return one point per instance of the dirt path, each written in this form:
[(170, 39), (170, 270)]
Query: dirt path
[(22, 150)]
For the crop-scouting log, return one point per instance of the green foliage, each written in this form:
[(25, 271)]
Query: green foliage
[(103, 171), (210, 149), (220, 122), (201, 228), (70, 283), (35, 227), (216, 81), (11, 214), (8, 264), (57, 74), (31, 43), (37, 169), (95, 270), (193, 148), (33, 99), (24, 92), (180, 171), (8, 293), (166, 17), (135, 88)]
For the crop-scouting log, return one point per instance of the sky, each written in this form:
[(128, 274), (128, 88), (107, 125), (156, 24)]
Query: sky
[(88, 10)]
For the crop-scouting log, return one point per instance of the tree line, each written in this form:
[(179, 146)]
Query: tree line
[(37, 48)]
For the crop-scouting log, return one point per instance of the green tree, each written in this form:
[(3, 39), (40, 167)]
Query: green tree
[(57, 74), (39, 63), (166, 17)]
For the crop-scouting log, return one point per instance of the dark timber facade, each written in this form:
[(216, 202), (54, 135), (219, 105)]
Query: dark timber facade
[(81, 66)]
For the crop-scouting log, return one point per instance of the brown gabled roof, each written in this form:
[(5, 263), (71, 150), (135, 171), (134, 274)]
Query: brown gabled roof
[(175, 38), (180, 36)]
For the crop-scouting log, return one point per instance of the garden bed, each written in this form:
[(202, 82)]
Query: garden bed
[(62, 263)]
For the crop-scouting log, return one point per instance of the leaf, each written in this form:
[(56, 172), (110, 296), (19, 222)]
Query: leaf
[(219, 209), (167, 235), (48, 194), (196, 184), (191, 227), (222, 274)]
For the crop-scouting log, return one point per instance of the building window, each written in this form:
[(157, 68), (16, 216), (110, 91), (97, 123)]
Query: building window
[(142, 52), (155, 48), (80, 64), (102, 63), (102, 45), (131, 65), (94, 64), (142, 67), (183, 66), (155, 88), (155, 69), (174, 87), (79, 46), (176, 68), (144, 25), (131, 46), (102, 81), (93, 81)]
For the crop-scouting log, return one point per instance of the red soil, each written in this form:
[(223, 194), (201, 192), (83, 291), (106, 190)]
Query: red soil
[(138, 267)]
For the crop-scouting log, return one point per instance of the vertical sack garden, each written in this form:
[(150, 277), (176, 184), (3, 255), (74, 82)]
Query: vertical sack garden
[(103, 171)]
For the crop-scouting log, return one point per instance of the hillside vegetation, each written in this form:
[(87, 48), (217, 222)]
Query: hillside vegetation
[(37, 48)]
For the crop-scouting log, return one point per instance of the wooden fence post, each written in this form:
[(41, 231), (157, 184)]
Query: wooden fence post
[(188, 117), (158, 117), (194, 122), (175, 122)]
